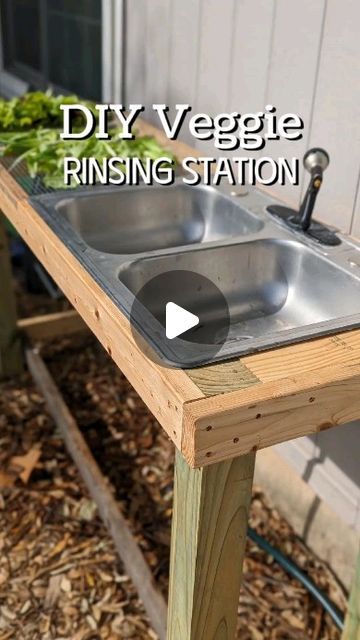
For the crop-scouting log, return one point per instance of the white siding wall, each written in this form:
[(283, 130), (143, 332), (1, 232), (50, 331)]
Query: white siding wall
[(301, 56)]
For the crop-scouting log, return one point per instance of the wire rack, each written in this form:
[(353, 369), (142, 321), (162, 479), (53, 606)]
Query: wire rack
[(33, 186)]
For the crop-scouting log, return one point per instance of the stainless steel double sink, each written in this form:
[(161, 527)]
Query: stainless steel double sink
[(280, 285)]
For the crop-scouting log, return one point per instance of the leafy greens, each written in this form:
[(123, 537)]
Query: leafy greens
[(37, 109), (44, 151)]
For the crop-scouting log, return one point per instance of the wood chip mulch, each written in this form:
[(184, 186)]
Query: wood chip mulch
[(60, 577)]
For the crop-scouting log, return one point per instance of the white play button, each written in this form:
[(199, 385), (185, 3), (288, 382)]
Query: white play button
[(178, 320)]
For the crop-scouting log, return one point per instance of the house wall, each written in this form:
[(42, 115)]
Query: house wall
[(241, 55)]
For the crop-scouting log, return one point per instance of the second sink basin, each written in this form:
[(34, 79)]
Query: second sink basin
[(271, 286), (130, 220)]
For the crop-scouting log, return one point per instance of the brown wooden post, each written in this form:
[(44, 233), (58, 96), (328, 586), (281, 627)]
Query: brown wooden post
[(209, 528), (352, 622), (10, 348)]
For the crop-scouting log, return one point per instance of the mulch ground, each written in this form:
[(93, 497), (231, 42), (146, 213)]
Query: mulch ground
[(60, 577)]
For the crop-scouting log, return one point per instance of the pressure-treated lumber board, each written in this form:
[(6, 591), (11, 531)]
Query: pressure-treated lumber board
[(208, 543), (208, 535), (97, 485), (223, 377), (235, 423), (51, 325), (334, 351), (10, 347), (352, 621), (164, 390)]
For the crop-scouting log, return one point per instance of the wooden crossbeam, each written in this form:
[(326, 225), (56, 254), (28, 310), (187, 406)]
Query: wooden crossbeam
[(125, 543), (52, 325)]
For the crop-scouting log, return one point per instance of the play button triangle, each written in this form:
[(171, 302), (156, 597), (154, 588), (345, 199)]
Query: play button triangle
[(178, 320)]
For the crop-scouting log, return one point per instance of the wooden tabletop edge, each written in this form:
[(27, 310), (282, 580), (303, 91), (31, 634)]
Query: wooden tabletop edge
[(219, 428)]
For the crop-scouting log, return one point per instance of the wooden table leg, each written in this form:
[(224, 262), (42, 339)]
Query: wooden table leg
[(10, 348), (209, 527), (352, 622)]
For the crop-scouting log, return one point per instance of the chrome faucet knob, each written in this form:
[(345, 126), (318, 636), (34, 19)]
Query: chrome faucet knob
[(316, 157)]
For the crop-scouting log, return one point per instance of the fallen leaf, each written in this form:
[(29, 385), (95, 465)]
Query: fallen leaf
[(27, 463)]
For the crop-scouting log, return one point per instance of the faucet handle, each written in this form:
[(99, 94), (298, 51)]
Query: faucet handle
[(316, 158)]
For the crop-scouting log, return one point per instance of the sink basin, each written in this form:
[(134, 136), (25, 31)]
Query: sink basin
[(279, 285), (147, 218), (271, 286)]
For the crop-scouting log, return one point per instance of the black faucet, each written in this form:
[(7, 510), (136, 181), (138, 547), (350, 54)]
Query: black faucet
[(315, 161)]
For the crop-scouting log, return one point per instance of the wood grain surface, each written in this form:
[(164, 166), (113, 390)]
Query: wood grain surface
[(208, 543)]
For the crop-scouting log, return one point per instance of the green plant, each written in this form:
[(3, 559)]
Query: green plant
[(36, 109), (44, 151)]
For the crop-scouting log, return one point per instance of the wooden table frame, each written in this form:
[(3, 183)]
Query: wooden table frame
[(218, 416)]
